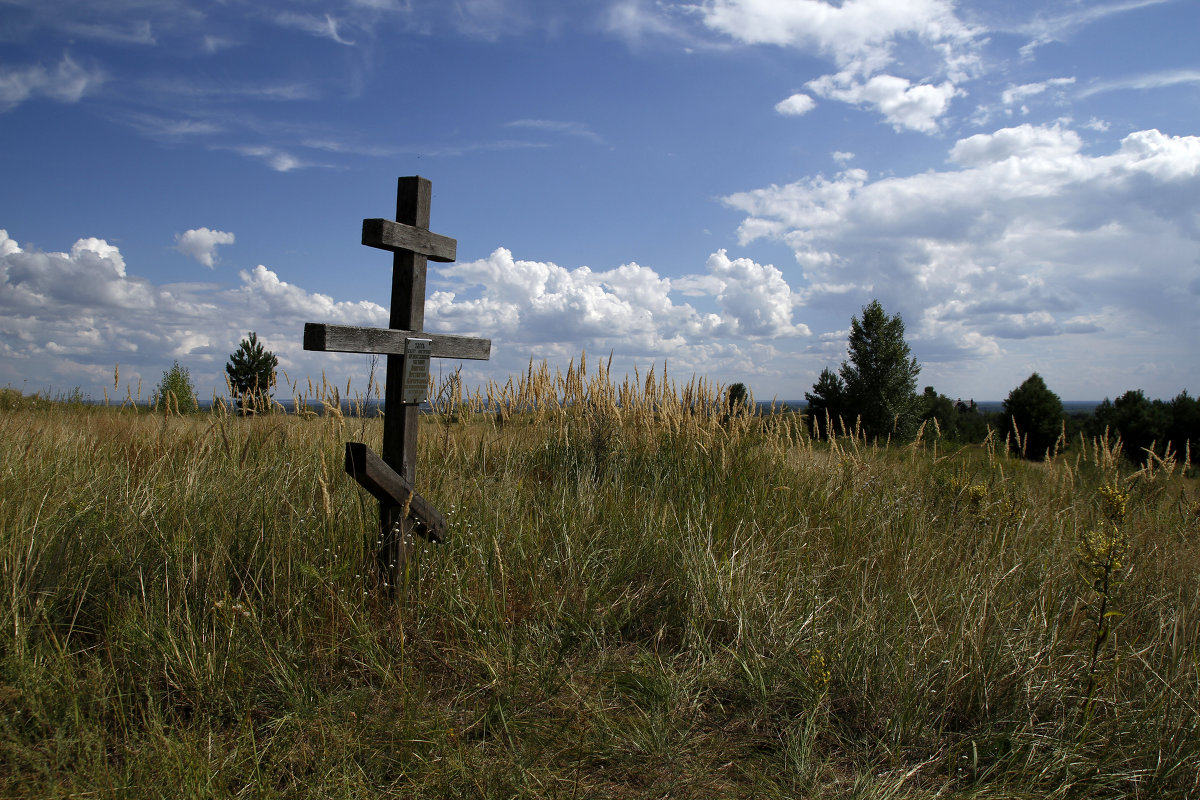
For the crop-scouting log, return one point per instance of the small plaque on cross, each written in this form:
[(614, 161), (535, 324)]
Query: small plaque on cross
[(416, 369)]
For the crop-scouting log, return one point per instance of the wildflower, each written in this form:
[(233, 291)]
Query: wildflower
[(1114, 501), (818, 669), (1101, 552)]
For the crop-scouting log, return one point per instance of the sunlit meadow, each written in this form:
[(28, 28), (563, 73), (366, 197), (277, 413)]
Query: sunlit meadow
[(644, 593)]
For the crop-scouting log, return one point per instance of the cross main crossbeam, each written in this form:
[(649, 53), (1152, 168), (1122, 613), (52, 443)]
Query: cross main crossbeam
[(385, 341)]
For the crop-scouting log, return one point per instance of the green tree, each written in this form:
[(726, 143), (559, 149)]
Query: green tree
[(1034, 415), (1184, 433), (737, 401), (251, 371), (826, 404), (1142, 423), (881, 376), (938, 407), (972, 425), (738, 398), (175, 391)]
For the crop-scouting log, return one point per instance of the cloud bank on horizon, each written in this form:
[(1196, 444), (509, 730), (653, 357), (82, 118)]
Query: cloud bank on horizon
[(1024, 203)]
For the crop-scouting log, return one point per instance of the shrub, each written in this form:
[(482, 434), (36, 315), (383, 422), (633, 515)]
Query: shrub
[(175, 391)]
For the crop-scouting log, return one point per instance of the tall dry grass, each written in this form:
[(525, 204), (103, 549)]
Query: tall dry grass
[(643, 595)]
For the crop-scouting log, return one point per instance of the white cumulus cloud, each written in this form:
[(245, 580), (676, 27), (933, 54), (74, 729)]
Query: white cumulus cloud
[(796, 105), (756, 298), (548, 311), (1025, 237), (532, 301), (903, 104), (854, 32), (1027, 142), (528, 302), (862, 37), (201, 244), (68, 317)]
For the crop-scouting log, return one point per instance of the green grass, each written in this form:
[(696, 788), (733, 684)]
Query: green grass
[(633, 602)]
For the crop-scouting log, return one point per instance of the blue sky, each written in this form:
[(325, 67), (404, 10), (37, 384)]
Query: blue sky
[(720, 184)]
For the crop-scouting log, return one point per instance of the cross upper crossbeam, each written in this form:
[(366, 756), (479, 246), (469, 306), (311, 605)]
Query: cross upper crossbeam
[(387, 235)]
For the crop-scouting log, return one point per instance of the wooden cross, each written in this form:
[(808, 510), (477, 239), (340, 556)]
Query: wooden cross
[(391, 476)]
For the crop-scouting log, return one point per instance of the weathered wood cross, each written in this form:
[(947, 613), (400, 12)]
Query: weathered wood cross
[(391, 478)]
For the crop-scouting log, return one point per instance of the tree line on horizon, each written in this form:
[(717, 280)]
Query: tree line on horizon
[(874, 394)]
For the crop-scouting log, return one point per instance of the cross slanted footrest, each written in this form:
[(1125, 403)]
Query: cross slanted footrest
[(389, 487)]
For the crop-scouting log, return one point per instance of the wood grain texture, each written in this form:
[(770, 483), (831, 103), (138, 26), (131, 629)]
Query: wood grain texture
[(386, 341), (391, 490), (407, 313), (387, 235)]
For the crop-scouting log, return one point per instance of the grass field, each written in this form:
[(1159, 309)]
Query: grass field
[(639, 597)]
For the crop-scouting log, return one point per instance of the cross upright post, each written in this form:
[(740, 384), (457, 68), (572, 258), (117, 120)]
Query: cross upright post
[(391, 476), (413, 199)]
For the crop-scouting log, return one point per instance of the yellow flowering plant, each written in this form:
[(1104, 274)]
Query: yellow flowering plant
[(1103, 554)]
